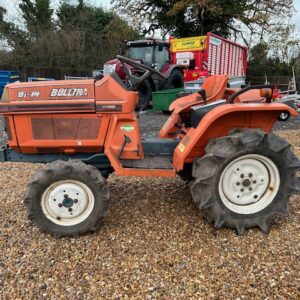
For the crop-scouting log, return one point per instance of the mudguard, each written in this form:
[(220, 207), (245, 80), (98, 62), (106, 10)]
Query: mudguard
[(222, 119), (170, 69)]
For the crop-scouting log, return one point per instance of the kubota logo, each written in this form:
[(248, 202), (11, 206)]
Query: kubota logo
[(76, 92)]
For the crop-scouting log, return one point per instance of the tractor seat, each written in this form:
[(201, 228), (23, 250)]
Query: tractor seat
[(214, 87), (199, 111)]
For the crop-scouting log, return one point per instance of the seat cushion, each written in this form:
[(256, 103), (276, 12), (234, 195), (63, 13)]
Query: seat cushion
[(199, 111)]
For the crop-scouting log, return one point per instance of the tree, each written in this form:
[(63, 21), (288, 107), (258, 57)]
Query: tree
[(83, 17), (260, 64), (75, 35), (182, 18), (241, 18), (37, 15), (297, 66)]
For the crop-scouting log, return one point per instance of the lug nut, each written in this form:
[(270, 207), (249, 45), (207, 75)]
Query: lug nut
[(254, 181), (242, 190), (242, 175), (250, 188), (250, 175), (75, 200), (70, 209), (60, 205), (66, 196)]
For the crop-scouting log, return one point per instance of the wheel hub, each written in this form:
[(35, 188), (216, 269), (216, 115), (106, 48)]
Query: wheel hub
[(67, 202), (246, 182), (249, 183)]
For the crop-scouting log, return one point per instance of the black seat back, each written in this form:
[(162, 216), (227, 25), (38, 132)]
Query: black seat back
[(199, 111)]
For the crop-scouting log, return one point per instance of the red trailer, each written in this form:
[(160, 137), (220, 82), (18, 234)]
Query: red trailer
[(203, 56)]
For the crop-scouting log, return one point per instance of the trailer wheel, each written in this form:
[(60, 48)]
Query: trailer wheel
[(245, 179), (145, 95), (284, 116), (175, 80), (67, 198)]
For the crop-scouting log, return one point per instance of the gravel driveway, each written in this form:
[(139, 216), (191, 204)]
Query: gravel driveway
[(154, 245)]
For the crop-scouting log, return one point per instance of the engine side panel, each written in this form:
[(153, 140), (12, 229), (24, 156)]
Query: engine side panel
[(61, 133)]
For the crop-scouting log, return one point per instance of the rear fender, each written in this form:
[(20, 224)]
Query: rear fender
[(170, 69), (220, 121)]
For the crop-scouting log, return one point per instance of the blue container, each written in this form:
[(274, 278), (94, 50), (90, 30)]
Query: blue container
[(8, 77), (30, 79)]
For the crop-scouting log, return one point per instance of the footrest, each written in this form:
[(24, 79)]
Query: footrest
[(149, 162)]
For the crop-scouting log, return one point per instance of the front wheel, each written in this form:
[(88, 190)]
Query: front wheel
[(245, 179), (145, 95), (67, 198)]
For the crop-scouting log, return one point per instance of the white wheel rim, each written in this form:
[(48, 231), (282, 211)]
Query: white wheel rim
[(249, 184), (67, 202), (283, 115)]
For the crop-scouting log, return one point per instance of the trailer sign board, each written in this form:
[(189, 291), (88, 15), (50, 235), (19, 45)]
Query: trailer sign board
[(213, 40), (188, 44)]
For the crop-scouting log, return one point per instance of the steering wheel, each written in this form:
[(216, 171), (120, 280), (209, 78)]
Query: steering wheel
[(135, 80), (252, 87)]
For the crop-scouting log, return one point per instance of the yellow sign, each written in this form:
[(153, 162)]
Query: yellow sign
[(181, 147), (188, 44)]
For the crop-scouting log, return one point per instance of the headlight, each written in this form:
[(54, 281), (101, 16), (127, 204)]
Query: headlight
[(108, 69)]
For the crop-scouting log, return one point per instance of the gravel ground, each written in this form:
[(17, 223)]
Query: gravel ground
[(154, 245)]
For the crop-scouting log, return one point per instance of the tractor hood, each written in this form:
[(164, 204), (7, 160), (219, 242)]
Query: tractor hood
[(49, 90)]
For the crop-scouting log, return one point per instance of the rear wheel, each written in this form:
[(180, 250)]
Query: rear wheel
[(245, 179), (67, 198), (175, 80)]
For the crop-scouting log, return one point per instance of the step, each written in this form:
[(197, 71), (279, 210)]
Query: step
[(149, 162)]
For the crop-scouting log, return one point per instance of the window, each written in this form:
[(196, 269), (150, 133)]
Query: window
[(143, 53), (161, 57)]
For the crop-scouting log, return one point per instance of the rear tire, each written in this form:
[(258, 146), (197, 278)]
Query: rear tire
[(67, 198), (245, 179), (175, 80)]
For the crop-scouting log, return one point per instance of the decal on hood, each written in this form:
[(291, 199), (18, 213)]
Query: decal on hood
[(71, 92)]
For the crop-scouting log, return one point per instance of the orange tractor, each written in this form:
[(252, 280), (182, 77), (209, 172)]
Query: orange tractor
[(241, 174)]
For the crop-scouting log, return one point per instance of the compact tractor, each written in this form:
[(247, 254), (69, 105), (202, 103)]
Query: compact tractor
[(241, 175)]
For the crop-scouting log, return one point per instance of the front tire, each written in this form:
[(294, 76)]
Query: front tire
[(67, 198), (245, 179), (145, 95)]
